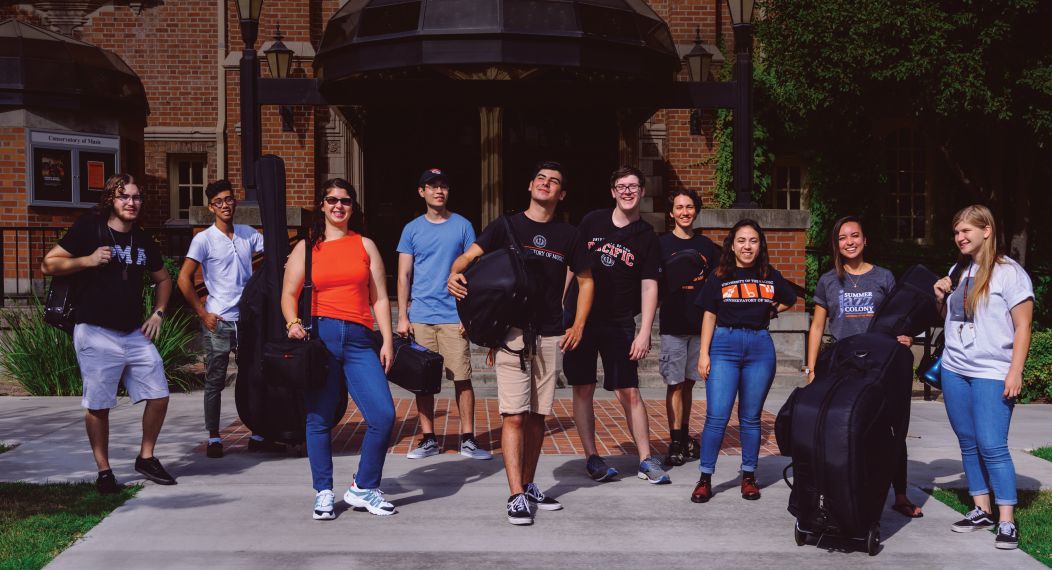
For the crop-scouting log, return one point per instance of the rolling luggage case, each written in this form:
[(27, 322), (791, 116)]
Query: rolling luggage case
[(844, 437)]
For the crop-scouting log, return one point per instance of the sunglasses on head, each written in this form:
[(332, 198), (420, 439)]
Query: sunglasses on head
[(333, 200)]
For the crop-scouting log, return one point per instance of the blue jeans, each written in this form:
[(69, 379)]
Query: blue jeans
[(980, 415), (354, 366), (742, 365)]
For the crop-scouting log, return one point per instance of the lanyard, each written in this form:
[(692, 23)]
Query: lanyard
[(964, 302)]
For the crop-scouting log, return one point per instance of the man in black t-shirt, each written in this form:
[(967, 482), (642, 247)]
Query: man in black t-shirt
[(107, 255), (526, 393), (626, 264)]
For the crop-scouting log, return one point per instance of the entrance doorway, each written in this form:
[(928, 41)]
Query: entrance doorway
[(584, 141), (399, 144)]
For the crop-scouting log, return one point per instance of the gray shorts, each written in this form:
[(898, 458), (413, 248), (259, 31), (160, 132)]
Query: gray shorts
[(679, 358), (108, 357)]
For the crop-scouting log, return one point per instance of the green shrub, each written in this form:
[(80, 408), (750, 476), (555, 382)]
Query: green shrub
[(43, 361), (1037, 374)]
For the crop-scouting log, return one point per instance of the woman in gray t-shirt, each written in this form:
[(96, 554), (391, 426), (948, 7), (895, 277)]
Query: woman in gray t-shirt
[(846, 299)]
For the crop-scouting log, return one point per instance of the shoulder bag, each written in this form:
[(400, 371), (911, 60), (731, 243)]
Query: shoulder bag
[(302, 364), (60, 304)]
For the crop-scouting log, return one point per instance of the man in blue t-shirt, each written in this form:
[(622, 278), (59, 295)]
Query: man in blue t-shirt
[(426, 310)]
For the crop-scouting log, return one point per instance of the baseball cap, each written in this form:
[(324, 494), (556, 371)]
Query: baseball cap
[(431, 175)]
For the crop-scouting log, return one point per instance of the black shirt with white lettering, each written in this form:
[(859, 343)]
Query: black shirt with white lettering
[(619, 266), (680, 315), (550, 248), (105, 297), (744, 299)]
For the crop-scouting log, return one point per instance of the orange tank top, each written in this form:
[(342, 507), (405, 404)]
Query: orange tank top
[(340, 270)]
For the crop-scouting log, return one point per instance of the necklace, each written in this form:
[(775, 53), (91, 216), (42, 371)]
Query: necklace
[(131, 250)]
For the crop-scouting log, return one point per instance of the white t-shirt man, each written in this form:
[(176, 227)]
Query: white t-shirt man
[(980, 346), (226, 264)]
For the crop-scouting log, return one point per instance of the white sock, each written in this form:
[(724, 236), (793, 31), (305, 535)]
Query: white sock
[(257, 437), (215, 440)]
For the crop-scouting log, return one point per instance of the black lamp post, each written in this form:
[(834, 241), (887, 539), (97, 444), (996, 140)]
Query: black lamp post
[(248, 12), (279, 60), (741, 18), (699, 61)]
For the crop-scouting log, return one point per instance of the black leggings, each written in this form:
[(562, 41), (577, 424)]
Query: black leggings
[(898, 480)]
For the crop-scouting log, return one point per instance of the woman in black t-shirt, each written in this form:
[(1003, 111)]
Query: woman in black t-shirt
[(737, 357)]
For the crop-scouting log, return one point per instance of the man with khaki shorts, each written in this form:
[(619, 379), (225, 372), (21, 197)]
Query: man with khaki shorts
[(526, 387), (428, 246)]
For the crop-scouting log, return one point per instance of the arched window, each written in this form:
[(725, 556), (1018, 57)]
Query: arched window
[(906, 207)]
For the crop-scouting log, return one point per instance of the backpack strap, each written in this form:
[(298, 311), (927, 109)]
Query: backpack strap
[(529, 333), (306, 299)]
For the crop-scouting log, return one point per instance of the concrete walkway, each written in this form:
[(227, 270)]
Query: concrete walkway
[(251, 510)]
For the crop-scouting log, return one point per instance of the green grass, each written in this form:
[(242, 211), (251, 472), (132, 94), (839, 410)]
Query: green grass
[(4, 447), (1033, 515), (1044, 453), (37, 522)]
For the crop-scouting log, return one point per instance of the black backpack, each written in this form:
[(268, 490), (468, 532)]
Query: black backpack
[(909, 309), (60, 304), (498, 293)]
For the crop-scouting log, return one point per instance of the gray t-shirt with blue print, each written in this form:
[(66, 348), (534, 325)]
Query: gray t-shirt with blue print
[(852, 302)]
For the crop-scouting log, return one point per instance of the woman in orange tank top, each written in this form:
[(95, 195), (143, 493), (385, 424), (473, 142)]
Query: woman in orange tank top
[(349, 291)]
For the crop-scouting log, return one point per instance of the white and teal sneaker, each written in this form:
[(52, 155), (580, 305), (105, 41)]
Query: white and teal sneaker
[(371, 500), (323, 506), (650, 470)]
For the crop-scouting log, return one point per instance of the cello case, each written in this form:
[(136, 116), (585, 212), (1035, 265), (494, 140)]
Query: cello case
[(274, 412)]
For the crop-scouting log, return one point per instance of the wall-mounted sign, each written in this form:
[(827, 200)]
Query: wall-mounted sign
[(70, 169)]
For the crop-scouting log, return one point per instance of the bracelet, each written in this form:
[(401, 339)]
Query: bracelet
[(293, 322)]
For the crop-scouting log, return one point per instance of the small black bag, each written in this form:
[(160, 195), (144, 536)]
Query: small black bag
[(302, 364), (414, 367), (498, 293), (60, 304)]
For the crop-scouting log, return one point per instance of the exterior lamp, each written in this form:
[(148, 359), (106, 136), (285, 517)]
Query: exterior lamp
[(279, 60), (699, 61), (741, 11), (248, 12)]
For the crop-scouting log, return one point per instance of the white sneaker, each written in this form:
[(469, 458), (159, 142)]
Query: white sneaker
[(470, 448), (371, 500), (426, 448), (323, 506)]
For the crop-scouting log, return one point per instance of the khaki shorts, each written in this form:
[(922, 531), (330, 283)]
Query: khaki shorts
[(447, 341), (533, 390)]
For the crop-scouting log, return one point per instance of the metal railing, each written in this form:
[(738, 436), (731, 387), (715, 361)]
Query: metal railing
[(22, 248)]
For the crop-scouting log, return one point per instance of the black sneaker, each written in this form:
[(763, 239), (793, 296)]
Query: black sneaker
[(106, 484), (153, 470), (214, 450), (264, 446), (519, 510), (976, 519), (692, 449), (542, 501), (1007, 536), (675, 456)]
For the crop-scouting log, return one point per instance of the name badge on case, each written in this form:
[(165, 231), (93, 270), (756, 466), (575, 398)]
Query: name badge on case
[(967, 332)]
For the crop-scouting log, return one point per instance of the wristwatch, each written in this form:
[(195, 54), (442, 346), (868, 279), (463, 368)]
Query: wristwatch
[(159, 313)]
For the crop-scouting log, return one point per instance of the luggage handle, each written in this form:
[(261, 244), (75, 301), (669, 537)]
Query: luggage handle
[(785, 476)]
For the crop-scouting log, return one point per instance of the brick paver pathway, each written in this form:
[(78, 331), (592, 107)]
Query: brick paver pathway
[(611, 435)]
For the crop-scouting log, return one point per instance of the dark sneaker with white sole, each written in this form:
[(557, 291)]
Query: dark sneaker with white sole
[(106, 483), (542, 501), (519, 510), (976, 519), (153, 470), (599, 470), (214, 450), (1007, 536)]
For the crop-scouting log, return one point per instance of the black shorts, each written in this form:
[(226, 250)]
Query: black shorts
[(612, 344)]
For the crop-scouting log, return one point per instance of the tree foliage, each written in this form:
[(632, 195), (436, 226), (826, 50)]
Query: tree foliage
[(974, 76)]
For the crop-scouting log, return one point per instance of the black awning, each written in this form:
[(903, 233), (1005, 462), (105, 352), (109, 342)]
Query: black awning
[(609, 40), (39, 68)]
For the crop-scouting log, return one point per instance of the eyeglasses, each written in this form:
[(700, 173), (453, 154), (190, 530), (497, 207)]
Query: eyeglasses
[(433, 187), (333, 200), (129, 197), (627, 188), (229, 200)]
